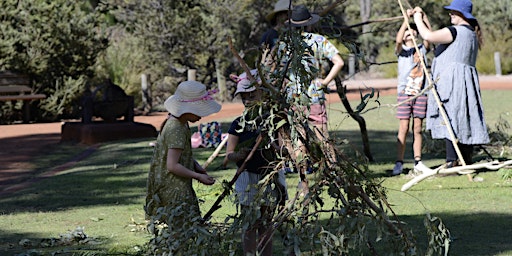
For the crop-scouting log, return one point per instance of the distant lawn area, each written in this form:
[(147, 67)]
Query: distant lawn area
[(103, 195)]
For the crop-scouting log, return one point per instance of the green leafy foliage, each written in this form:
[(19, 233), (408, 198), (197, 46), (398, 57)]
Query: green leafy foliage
[(357, 204), (57, 53), (180, 35)]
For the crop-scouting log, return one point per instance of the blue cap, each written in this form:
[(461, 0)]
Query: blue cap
[(463, 6)]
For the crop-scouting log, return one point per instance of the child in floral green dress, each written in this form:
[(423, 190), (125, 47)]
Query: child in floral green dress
[(170, 197)]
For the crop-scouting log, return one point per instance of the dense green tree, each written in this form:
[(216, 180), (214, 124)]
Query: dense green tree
[(181, 35), (57, 42), (495, 17), (54, 42)]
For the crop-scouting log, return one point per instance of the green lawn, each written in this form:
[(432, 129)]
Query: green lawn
[(104, 193)]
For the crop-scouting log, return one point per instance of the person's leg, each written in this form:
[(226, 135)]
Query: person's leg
[(419, 113), (246, 189), (401, 138), (418, 138), (419, 167), (265, 231), (403, 113), (301, 162), (321, 131), (403, 129), (467, 152), (297, 151), (451, 154), (249, 237)]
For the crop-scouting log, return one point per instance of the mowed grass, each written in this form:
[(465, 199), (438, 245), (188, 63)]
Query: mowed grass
[(104, 193)]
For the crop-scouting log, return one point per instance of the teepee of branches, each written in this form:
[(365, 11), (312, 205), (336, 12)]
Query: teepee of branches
[(339, 210), (343, 210)]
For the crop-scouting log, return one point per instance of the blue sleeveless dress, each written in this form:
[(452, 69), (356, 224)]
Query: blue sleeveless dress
[(459, 91)]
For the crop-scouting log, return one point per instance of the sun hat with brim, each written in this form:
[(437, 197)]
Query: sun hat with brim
[(280, 6), (463, 6), (192, 97), (301, 17), (244, 84)]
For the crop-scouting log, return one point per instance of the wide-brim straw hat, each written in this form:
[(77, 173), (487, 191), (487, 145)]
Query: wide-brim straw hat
[(463, 6), (192, 97), (244, 84), (280, 6), (301, 17)]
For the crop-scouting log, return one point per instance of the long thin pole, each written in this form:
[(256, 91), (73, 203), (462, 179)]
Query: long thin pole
[(436, 96), (227, 188), (216, 152)]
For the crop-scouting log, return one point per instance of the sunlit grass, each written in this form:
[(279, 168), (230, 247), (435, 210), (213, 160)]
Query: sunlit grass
[(105, 192)]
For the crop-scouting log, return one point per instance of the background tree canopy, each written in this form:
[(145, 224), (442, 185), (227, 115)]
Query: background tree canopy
[(66, 46), (56, 44)]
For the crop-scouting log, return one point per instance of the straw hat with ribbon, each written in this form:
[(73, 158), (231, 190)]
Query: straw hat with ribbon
[(243, 84), (192, 97)]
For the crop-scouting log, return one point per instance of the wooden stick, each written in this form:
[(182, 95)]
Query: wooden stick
[(216, 152), (372, 21), (434, 93), (227, 188), (330, 7), (495, 165), (241, 61)]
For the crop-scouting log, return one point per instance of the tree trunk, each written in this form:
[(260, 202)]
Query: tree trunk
[(221, 82), (342, 92), (365, 12)]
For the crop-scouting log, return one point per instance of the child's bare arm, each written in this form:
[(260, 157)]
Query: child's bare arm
[(400, 37), (173, 165)]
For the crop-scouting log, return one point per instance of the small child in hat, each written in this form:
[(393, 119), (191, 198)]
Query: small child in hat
[(411, 81), (172, 169), (241, 140)]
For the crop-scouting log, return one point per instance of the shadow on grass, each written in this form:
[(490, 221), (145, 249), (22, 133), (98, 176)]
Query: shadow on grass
[(117, 175), (482, 233), (16, 153), (471, 234), (35, 244)]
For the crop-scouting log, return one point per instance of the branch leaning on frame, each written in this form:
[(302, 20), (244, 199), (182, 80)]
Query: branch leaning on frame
[(434, 93), (248, 71), (495, 165), (428, 87), (229, 185)]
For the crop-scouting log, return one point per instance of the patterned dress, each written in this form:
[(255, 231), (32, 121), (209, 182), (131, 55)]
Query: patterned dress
[(459, 91), (165, 189)]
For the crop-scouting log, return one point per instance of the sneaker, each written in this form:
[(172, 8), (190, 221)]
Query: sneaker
[(420, 168), (397, 170)]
